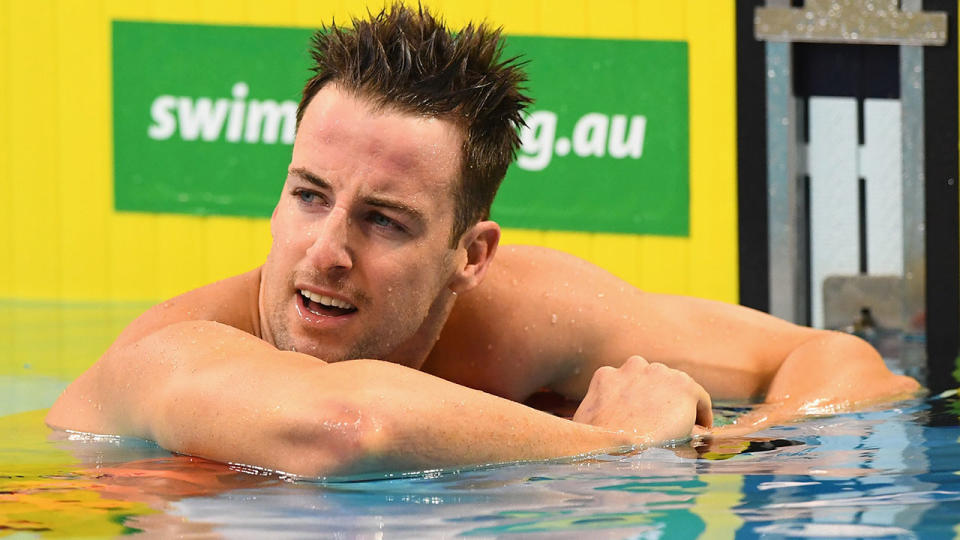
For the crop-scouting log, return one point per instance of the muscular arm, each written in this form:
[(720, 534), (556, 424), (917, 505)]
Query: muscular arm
[(206, 388), (547, 319)]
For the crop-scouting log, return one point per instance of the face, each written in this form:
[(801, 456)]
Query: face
[(361, 251)]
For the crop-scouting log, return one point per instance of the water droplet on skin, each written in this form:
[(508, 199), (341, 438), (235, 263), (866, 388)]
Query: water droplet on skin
[(489, 346), (600, 295), (526, 328), (553, 319)]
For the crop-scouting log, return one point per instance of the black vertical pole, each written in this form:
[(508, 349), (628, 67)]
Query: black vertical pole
[(752, 161), (942, 229)]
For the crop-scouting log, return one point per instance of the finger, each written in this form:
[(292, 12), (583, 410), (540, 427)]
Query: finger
[(635, 362), (602, 372)]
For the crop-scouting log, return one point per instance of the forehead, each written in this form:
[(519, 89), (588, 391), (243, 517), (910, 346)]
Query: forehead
[(343, 136)]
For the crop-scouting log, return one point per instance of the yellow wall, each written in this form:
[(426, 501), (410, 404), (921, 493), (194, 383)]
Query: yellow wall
[(62, 240)]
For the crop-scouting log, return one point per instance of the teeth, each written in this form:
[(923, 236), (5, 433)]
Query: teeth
[(326, 300)]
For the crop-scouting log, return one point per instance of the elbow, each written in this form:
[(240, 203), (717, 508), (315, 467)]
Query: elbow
[(338, 438), (312, 423), (852, 348), (330, 440), (836, 366)]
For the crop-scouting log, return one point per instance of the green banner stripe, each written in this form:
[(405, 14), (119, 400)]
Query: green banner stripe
[(204, 120)]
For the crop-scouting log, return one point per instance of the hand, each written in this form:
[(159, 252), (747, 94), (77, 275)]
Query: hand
[(653, 402)]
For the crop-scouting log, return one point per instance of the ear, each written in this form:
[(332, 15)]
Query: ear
[(479, 244)]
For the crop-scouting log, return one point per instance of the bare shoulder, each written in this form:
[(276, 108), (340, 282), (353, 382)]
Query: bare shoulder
[(543, 318), (233, 301), (519, 268), (498, 334), (516, 261)]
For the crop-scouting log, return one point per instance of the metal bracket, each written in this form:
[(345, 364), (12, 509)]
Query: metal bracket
[(850, 21)]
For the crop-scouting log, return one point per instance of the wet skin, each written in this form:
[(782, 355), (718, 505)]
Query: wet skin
[(364, 219), (302, 365)]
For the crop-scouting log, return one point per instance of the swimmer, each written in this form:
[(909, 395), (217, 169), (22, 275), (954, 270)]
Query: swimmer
[(387, 330)]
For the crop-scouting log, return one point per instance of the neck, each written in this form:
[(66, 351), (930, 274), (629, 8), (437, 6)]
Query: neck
[(413, 352)]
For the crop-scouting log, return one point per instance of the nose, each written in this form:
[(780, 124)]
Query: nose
[(330, 251)]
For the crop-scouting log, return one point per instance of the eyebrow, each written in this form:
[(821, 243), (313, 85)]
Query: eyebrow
[(372, 200)]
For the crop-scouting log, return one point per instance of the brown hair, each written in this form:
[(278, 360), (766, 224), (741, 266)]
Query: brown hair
[(407, 59)]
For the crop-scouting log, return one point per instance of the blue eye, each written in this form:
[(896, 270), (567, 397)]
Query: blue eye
[(306, 196), (381, 220), (384, 222)]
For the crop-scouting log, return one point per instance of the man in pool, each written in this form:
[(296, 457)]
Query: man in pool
[(381, 333)]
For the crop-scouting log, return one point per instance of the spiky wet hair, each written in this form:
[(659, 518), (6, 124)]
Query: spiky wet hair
[(407, 59)]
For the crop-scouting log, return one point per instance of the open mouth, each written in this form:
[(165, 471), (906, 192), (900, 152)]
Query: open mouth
[(325, 306)]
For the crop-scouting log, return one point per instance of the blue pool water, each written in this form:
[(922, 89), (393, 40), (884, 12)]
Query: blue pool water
[(889, 473)]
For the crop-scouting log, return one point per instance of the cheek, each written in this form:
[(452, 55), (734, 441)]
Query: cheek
[(409, 288), (289, 234)]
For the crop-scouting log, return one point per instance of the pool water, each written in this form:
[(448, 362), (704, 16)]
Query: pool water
[(889, 473)]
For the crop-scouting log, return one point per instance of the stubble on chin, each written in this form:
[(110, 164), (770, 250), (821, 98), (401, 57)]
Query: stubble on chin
[(368, 347)]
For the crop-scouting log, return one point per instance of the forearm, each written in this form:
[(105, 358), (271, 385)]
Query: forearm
[(233, 400), (359, 417), (415, 421)]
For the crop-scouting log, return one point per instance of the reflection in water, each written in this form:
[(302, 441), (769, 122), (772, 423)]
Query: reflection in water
[(877, 473)]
